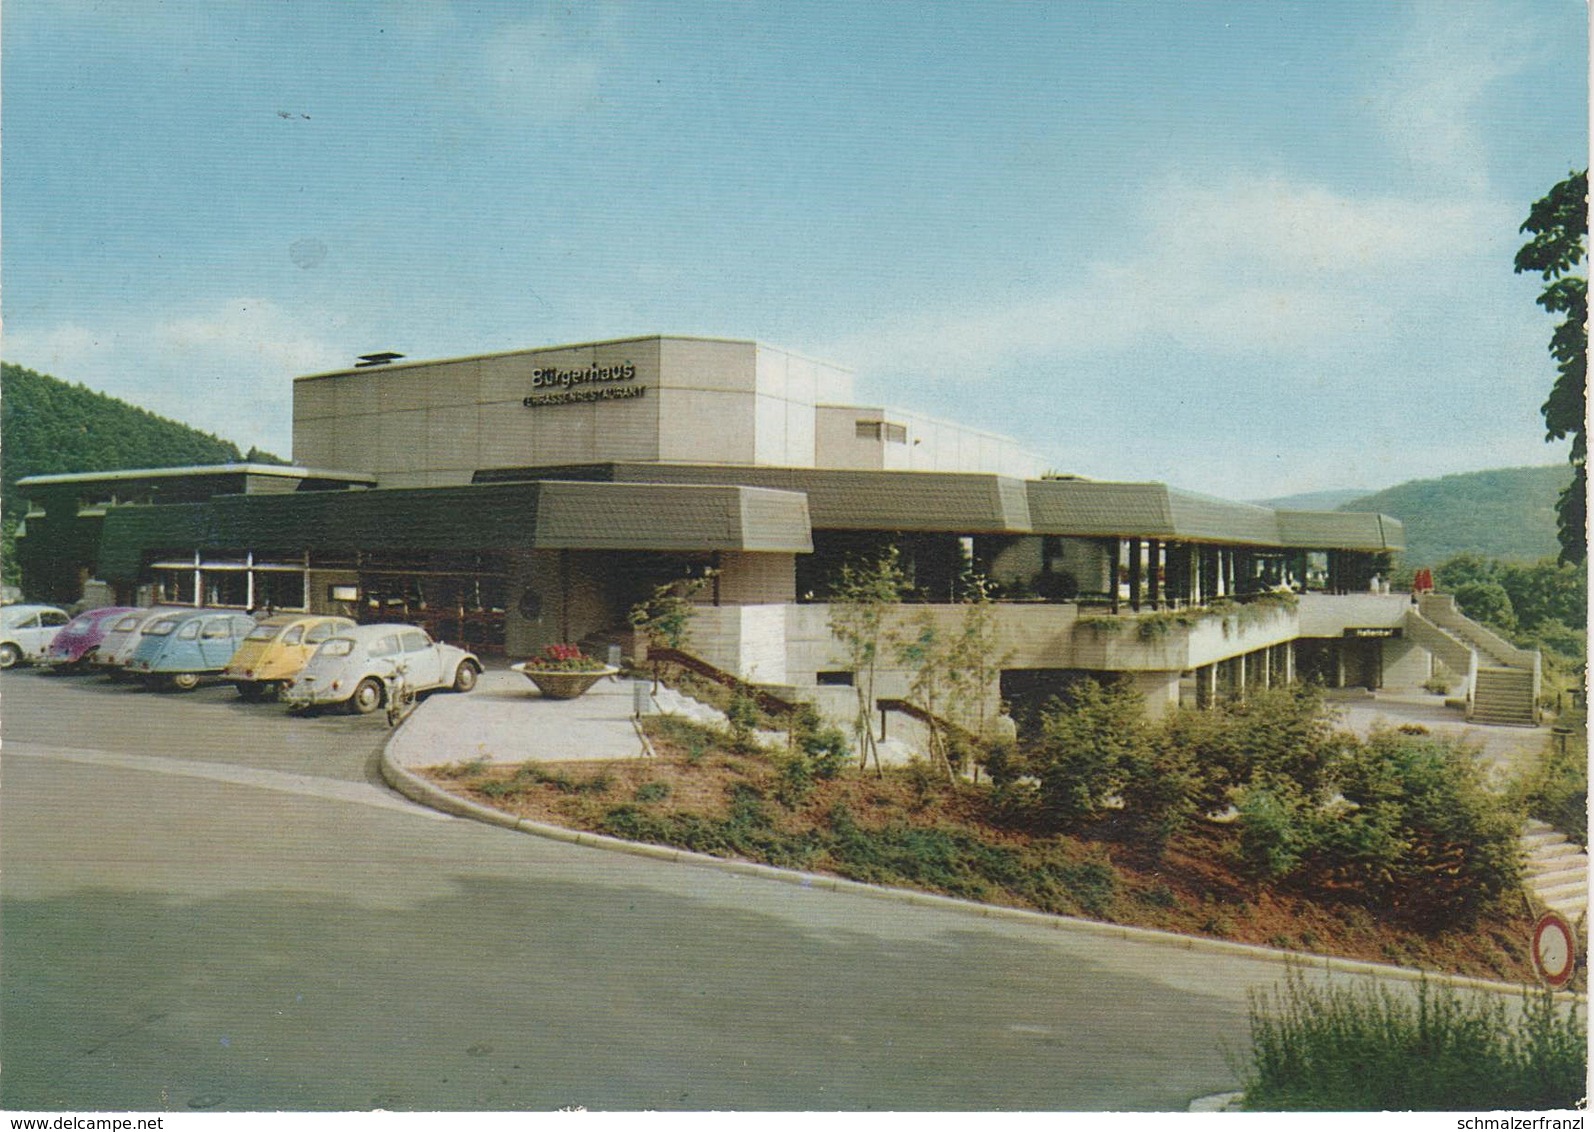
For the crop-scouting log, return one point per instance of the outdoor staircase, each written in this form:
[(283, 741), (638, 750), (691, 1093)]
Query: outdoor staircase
[(1557, 870), (1503, 695), (1502, 680)]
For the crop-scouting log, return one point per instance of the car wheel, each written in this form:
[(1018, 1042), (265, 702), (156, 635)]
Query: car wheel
[(9, 655), (185, 681), (367, 696), (465, 676)]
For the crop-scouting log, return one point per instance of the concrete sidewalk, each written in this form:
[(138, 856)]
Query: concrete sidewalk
[(506, 720), (1505, 749)]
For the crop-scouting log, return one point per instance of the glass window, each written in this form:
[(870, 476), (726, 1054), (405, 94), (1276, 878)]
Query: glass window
[(218, 628), (869, 430), (294, 635), (386, 646), (160, 627), (53, 617), (337, 646), (897, 434), (280, 589), (415, 641), (262, 633), (127, 623), (189, 631), (226, 587), (319, 633)]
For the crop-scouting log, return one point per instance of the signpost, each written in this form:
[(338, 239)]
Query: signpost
[(1554, 950)]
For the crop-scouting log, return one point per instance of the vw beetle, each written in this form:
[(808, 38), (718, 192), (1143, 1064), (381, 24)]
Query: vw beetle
[(355, 667), (276, 649), (27, 630)]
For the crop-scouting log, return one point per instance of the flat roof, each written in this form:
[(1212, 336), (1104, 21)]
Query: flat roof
[(419, 362), (984, 503), (290, 471)]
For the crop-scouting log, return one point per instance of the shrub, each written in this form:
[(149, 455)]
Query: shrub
[(1276, 828), (742, 715), (653, 792), (1427, 836), (1161, 783), (1085, 748), (1338, 1048), (1555, 788)]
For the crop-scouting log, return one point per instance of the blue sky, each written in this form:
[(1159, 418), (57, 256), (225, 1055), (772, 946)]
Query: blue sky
[(1247, 248)]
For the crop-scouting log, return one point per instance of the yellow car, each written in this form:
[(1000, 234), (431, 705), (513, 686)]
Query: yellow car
[(276, 650)]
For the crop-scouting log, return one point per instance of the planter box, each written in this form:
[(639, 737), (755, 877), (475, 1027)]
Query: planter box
[(557, 685)]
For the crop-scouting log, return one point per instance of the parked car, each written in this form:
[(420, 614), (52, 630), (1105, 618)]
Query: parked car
[(180, 649), (27, 630), (123, 636), (276, 649), (76, 646), (354, 668)]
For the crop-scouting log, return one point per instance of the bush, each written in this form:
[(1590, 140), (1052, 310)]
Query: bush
[(1357, 1049), (1426, 836), (1085, 749), (742, 715), (1555, 787), (1276, 828)]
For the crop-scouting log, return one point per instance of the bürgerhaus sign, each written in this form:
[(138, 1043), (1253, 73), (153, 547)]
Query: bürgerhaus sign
[(582, 386)]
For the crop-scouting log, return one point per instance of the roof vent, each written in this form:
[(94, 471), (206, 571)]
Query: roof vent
[(376, 360)]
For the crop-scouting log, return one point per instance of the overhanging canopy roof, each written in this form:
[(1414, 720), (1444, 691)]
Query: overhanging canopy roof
[(542, 515)]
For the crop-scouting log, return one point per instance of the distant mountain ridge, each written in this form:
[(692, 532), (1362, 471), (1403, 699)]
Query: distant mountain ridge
[(1506, 513), (1330, 500)]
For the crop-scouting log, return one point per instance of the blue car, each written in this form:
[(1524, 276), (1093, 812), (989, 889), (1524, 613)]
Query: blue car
[(178, 650)]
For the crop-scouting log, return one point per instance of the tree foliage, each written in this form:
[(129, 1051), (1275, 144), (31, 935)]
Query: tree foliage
[(1499, 513), (861, 599), (1558, 224), (49, 427)]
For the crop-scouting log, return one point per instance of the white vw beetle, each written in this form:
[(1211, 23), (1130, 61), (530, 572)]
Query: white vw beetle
[(27, 630), (356, 666)]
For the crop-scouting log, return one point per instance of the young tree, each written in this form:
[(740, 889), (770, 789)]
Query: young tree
[(1559, 224), (861, 602), (665, 618)]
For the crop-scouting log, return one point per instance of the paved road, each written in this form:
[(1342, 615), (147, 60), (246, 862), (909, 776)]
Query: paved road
[(210, 905)]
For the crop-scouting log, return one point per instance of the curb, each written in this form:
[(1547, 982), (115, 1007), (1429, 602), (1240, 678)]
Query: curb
[(418, 789)]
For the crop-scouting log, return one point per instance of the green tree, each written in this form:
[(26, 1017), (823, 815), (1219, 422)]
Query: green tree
[(1559, 226), (1087, 748), (862, 599)]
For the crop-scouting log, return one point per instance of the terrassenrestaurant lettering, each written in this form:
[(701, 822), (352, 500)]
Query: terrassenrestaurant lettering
[(578, 396)]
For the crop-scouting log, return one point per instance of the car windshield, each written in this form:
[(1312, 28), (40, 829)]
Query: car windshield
[(13, 617), (160, 628), (337, 646), (262, 632)]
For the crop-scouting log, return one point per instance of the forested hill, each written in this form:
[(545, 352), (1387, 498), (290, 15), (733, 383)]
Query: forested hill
[(1503, 513), (48, 426)]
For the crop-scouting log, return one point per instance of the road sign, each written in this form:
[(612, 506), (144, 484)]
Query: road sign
[(1554, 950)]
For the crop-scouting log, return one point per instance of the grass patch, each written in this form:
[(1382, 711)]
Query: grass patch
[(1358, 1049)]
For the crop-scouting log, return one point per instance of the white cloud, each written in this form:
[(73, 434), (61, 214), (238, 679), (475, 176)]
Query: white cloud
[(549, 67), (1243, 267), (1429, 104), (225, 368)]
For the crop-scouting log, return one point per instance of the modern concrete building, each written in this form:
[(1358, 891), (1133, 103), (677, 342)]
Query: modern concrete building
[(514, 500)]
